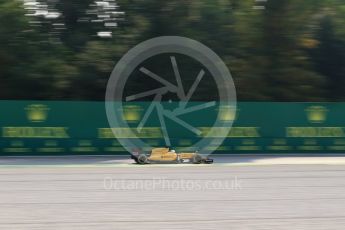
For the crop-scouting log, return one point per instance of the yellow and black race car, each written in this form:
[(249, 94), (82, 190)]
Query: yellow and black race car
[(164, 155)]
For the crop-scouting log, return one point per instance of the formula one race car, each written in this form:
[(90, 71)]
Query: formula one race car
[(164, 155)]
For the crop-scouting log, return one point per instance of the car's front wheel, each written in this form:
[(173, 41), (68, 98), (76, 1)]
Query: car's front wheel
[(197, 159), (142, 159)]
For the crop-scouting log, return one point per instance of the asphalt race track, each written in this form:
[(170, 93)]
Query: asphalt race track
[(112, 193)]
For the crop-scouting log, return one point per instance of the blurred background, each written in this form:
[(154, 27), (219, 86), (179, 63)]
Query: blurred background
[(277, 50)]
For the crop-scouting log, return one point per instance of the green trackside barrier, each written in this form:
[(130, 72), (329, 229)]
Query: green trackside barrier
[(75, 128)]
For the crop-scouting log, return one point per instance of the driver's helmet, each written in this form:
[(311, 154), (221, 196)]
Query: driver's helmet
[(173, 151)]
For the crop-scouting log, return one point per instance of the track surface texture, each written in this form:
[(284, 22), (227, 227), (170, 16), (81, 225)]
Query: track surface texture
[(102, 193)]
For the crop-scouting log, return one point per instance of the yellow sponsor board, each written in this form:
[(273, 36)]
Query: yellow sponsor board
[(132, 113), (227, 113), (279, 148), (51, 150), (84, 149), (315, 131), (235, 132), (316, 114), (37, 112), (108, 133), (155, 132), (35, 132), (17, 150)]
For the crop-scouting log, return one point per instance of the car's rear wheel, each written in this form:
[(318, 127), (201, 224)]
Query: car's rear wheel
[(142, 159), (197, 159)]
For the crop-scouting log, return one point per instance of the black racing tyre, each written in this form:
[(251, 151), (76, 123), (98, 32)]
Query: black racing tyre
[(142, 159), (197, 159)]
